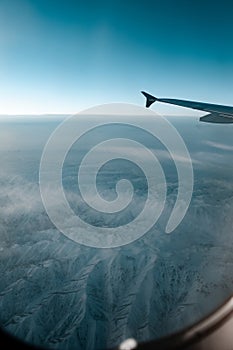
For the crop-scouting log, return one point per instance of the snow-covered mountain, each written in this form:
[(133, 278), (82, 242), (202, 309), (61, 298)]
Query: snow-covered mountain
[(62, 295)]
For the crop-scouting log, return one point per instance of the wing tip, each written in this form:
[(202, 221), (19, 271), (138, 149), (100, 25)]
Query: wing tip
[(149, 99)]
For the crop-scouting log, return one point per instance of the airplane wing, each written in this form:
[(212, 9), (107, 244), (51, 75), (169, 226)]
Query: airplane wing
[(217, 113)]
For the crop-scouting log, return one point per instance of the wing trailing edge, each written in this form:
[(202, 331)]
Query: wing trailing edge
[(216, 118)]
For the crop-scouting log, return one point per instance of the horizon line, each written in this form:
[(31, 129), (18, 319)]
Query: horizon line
[(86, 114)]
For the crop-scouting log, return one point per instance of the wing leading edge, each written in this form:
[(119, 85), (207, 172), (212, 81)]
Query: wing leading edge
[(217, 113)]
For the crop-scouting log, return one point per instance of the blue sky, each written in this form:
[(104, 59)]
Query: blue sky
[(62, 56)]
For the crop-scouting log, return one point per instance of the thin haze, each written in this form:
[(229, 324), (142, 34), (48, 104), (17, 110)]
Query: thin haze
[(64, 56)]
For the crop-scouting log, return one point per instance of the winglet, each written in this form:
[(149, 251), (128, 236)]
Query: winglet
[(149, 98)]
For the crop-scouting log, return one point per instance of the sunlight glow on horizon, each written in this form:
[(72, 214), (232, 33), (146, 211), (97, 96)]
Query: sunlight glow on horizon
[(27, 109), (21, 105)]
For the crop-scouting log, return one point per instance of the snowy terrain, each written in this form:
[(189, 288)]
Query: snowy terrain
[(63, 295)]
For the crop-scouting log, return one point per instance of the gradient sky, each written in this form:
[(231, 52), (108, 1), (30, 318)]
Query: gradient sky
[(61, 56)]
